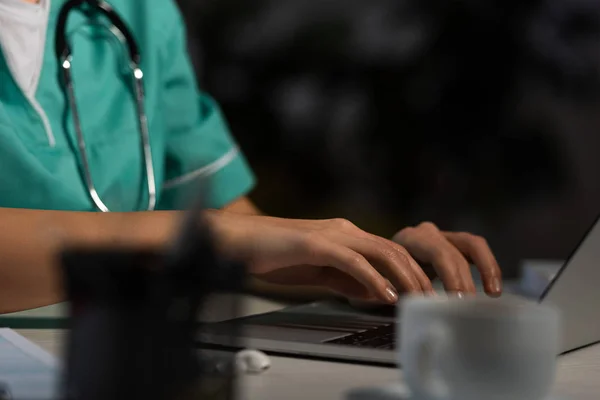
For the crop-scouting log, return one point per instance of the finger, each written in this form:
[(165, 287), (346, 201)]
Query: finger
[(449, 264), (418, 272), (394, 265), (447, 268), (477, 249), (464, 269), (427, 243), (324, 252), (459, 263), (394, 248)]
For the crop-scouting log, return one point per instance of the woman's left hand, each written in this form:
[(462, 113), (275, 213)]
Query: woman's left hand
[(450, 255)]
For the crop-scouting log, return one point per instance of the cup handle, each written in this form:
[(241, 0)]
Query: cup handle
[(431, 348)]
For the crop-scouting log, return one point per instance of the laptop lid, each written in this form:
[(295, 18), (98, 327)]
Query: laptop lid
[(575, 292)]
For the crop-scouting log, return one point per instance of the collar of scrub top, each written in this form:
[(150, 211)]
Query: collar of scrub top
[(65, 57)]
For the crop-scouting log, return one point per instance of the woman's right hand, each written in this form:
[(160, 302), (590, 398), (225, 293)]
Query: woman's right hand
[(327, 253)]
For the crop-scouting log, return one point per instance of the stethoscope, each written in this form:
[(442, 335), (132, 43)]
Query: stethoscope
[(65, 58)]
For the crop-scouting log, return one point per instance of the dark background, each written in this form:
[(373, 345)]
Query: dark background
[(476, 115)]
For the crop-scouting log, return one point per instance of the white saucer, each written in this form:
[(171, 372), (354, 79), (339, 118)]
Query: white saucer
[(393, 391)]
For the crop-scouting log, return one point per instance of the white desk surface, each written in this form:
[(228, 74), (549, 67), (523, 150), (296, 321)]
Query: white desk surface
[(578, 375)]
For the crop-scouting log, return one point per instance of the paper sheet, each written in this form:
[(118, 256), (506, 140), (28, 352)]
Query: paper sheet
[(26, 370)]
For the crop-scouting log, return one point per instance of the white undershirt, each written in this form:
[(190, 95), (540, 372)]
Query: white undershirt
[(22, 37)]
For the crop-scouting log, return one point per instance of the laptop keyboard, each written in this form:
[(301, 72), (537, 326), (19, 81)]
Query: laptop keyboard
[(382, 337)]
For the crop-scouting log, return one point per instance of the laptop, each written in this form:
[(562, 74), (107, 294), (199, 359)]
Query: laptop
[(337, 331)]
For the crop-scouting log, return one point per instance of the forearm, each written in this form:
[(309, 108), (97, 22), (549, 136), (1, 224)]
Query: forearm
[(31, 241)]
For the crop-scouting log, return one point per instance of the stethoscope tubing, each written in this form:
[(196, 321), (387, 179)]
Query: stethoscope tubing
[(65, 59)]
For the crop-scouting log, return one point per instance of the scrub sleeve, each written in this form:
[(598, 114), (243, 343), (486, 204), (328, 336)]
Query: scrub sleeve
[(199, 149)]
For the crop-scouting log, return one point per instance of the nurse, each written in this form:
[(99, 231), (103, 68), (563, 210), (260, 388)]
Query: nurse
[(52, 187)]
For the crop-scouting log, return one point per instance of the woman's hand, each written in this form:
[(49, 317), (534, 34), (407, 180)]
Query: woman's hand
[(449, 254), (328, 253)]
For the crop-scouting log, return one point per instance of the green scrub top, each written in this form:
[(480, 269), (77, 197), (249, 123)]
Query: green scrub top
[(39, 163)]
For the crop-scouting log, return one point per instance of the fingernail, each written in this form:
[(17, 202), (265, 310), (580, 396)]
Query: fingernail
[(392, 295), (460, 295), (496, 285)]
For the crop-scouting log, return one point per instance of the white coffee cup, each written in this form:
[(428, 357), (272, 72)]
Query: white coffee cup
[(478, 348)]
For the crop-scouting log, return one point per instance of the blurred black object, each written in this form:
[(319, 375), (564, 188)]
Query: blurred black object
[(5, 392), (477, 115), (134, 321)]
